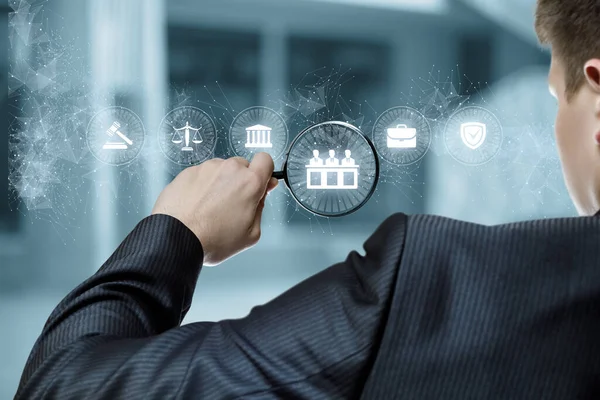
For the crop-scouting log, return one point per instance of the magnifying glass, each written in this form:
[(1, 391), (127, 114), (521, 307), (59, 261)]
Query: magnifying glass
[(331, 169)]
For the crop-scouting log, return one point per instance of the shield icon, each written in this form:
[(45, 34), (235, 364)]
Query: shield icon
[(473, 134)]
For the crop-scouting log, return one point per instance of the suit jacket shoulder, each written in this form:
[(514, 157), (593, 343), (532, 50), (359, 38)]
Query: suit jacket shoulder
[(507, 311)]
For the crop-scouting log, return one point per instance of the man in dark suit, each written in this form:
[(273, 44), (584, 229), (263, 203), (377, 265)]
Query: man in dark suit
[(435, 309)]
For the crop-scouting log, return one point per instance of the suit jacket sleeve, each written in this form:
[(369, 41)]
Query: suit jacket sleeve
[(119, 334)]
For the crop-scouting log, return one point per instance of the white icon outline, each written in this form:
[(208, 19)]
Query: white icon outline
[(412, 117), (115, 130), (457, 149), (258, 137), (197, 119), (332, 166), (348, 161), (473, 134), (402, 137), (258, 115), (97, 129), (196, 139)]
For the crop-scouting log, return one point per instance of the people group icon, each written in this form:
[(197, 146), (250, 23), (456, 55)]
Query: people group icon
[(332, 160), (331, 173)]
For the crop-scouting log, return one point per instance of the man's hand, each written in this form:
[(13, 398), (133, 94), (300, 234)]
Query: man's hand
[(221, 201)]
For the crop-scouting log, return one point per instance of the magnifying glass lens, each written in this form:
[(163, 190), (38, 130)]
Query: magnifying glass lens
[(332, 169)]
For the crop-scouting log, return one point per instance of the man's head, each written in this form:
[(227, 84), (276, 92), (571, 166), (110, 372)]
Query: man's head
[(572, 29), (348, 153), (331, 153), (316, 153)]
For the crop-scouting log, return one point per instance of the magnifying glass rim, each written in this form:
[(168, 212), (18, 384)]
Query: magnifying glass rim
[(356, 130)]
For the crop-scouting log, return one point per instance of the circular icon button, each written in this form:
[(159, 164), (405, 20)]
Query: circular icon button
[(258, 129), (332, 169), (473, 136), (115, 136), (187, 136), (402, 136)]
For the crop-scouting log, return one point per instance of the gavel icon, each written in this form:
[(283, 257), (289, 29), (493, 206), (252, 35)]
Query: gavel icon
[(114, 129)]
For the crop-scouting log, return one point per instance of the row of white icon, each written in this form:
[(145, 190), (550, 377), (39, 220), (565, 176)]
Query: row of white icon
[(258, 136), (316, 164), (262, 133), (473, 135), (125, 142)]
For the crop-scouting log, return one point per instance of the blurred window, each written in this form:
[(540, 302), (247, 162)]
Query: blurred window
[(214, 67), (475, 60), (363, 72)]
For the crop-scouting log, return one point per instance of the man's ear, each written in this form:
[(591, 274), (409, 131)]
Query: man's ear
[(592, 74)]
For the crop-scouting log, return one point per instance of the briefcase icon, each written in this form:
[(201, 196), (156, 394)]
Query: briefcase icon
[(402, 137)]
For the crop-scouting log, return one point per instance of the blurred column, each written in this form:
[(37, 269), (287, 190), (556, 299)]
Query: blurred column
[(273, 63), (155, 86), (427, 54), (443, 48), (128, 48), (273, 87)]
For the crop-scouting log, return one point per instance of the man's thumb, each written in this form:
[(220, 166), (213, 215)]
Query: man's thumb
[(255, 230), (273, 183)]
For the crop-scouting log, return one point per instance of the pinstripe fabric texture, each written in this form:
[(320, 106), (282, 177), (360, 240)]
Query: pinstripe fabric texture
[(118, 335), (505, 312), (436, 309)]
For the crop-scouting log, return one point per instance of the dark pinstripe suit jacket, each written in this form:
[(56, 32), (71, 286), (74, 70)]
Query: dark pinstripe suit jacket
[(435, 309)]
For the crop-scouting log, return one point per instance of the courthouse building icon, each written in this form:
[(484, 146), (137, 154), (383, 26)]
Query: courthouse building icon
[(258, 136)]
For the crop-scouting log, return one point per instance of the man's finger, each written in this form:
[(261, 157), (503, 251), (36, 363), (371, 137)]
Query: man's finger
[(242, 161), (262, 164)]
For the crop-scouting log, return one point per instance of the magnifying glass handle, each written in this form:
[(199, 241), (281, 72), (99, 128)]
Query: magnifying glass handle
[(279, 175)]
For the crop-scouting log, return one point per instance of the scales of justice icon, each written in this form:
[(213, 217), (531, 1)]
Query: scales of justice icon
[(178, 138)]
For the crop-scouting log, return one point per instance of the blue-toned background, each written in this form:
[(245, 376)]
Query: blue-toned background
[(65, 213)]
